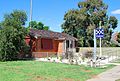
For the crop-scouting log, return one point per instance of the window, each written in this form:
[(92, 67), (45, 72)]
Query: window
[(67, 44), (46, 44)]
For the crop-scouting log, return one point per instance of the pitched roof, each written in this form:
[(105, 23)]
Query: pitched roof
[(50, 34)]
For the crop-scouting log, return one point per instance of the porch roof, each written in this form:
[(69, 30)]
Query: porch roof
[(51, 34)]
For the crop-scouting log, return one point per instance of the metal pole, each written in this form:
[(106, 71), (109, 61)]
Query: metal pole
[(94, 56), (100, 48), (30, 12), (100, 43)]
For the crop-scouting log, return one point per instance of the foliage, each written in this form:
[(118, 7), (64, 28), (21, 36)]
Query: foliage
[(81, 22), (38, 25), (46, 28), (26, 52), (0, 26), (12, 35), (28, 70)]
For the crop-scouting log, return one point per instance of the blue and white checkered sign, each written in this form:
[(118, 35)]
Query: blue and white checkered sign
[(100, 33)]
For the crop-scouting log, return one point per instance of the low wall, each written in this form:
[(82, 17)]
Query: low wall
[(45, 54)]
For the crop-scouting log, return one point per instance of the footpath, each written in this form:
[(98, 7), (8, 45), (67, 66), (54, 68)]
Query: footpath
[(110, 75)]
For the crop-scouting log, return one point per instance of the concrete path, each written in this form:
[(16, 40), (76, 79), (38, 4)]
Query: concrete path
[(110, 75)]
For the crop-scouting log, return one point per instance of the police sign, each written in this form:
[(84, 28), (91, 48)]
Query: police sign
[(99, 33)]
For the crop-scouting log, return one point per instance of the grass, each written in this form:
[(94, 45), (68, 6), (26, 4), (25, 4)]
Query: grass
[(118, 80), (42, 71)]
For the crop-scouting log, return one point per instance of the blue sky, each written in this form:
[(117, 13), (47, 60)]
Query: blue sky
[(51, 12)]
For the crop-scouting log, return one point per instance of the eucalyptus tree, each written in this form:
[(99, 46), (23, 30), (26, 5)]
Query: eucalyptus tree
[(81, 22)]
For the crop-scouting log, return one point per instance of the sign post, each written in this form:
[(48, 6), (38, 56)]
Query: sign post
[(94, 56), (100, 42), (93, 61), (100, 35)]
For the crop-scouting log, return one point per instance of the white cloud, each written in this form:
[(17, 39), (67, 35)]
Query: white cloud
[(116, 11)]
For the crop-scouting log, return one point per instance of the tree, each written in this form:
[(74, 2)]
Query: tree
[(38, 25), (0, 26), (46, 28), (33, 24), (12, 35), (81, 22)]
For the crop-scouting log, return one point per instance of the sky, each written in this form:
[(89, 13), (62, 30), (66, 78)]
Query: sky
[(51, 12)]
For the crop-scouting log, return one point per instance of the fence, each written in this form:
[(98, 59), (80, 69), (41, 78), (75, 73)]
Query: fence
[(111, 53)]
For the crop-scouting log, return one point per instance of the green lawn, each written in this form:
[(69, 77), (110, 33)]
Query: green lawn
[(42, 71), (118, 80)]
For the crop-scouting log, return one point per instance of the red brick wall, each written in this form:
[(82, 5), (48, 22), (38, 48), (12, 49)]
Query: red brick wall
[(38, 52), (57, 46), (43, 54)]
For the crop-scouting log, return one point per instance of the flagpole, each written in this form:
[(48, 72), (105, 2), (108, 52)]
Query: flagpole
[(30, 12)]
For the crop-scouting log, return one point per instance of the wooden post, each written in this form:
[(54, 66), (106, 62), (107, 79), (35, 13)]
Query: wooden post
[(40, 43), (74, 46), (65, 46)]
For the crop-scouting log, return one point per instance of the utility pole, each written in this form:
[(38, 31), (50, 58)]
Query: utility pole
[(30, 12)]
